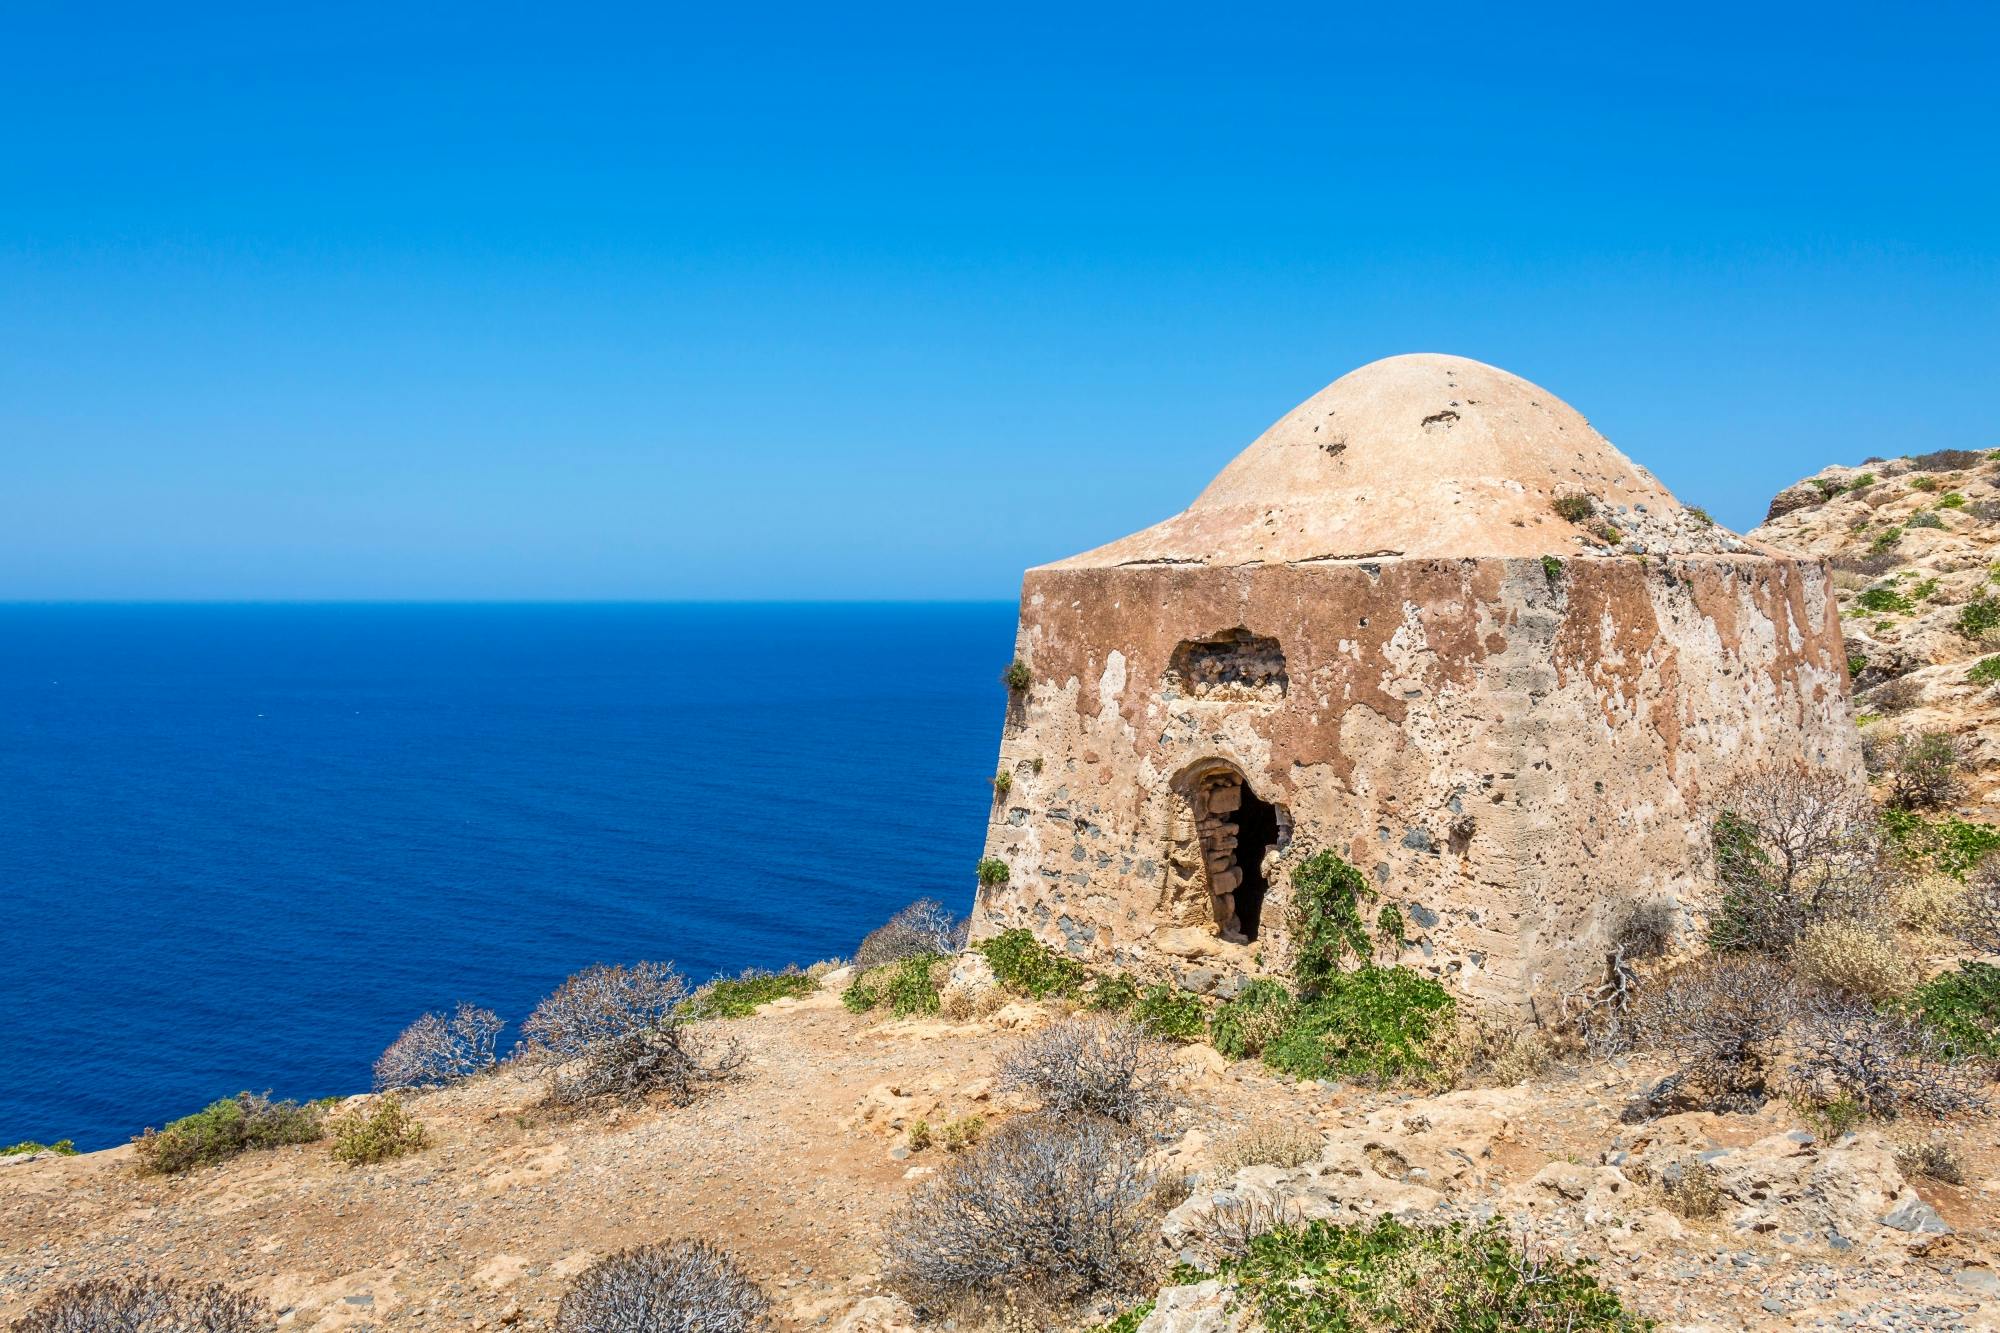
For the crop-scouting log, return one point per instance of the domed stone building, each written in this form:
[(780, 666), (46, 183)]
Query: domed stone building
[(1430, 620)]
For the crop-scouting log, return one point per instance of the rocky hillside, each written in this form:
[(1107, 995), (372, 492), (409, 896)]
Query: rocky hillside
[(1915, 548)]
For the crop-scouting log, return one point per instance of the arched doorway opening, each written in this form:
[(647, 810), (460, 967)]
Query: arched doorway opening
[(1235, 828)]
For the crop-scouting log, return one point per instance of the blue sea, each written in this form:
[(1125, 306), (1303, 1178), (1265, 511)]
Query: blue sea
[(243, 846)]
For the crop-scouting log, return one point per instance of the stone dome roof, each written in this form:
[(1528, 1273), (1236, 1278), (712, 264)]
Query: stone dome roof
[(1423, 456)]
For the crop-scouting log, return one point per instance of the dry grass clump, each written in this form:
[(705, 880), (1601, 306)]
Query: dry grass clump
[(625, 1032), (1854, 957), (950, 1135), (1042, 1214), (1933, 904), (435, 1050), (1268, 1143), (1933, 1159), (924, 928), (1481, 1048), (1692, 1189), (681, 1286), (363, 1136), (146, 1304), (962, 1004), (1223, 1230), (1084, 1066)]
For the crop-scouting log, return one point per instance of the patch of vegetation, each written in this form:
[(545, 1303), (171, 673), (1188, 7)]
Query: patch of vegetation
[(1925, 484), (1951, 500), (1856, 663), (1114, 994), (1552, 570), (1925, 519), (1924, 591), (741, 996), (1609, 535), (1003, 782), (1885, 540), (61, 1148), (1017, 677), (1882, 599), (1128, 1321), (1090, 1067), (908, 986), (1323, 1278), (1269, 1143), (1574, 507), (1246, 1024), (1962, 1009), (1375, 1024), (993, 872), (436, 1051), (1861, 482), (1986, 671), (1979, 617), (1166, 1011), (951, 1135), (1026, 966), (625, 1032), (1700, 515), (1933, 1159), (223, 1129), (1692, 1189), (925, 927), (1831, 1120), (382, 1131), (1950, 846)]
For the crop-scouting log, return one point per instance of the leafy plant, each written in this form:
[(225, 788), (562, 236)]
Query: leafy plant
[(1573, 507), (1026, 966), (1950, 845), (1986, 671), (1861, 481), (1700, 515), (1114, 994), (223, 1129), (1326, 925), (376, 1134), (1979, 617), (1962, 1009), (1926, 772), (1166, 1011), (908, 986), (1003, 782), (1243, 1026), (1374, 1024), (1923, 483), (1856, 664), (1885, 540), (1552, 570), (1017, 676), (741, 996), (1951, 500), (1926, 519), (1883, 598), (993, 872)]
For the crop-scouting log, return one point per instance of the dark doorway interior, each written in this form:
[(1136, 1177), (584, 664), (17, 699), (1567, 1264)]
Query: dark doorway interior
[(1256, 831)]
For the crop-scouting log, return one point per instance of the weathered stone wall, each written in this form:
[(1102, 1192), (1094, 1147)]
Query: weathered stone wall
[(1514, 757)]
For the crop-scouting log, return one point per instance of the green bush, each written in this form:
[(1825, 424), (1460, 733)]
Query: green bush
[(1017, 677), (1324, 1278), (1979, 617), (1374, 1024), (739, 997), (1924, 520), (1552, 570), (1856, 663), (1003, 782), (1326, 925), (1025, 965), (1962, 1008), (1923, 483), (1700, 515), (1862, 480), (907, 986), (1951, 500), (1882, 599), (61, 1148), (993, 872), (223, 1129), (1167, 1012), (1574, 507), (384, 1130), (1985, 671), (1128, 1321), (1242, 1027), (1885, 540), (1114, 994)]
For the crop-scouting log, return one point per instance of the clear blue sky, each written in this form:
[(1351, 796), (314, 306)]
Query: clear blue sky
[(545, 301)]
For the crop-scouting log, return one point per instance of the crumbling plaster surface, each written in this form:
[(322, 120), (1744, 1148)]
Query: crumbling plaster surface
[(1512, 757)]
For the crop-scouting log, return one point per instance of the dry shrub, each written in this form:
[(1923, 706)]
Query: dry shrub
[(682, 1286), (1794, 845), (435, 1051), (964, 1003), (925, 927), (1045, 1211), (1084, 1066), (1223, 1230), (1896, 696), (1926, 773), (1724, 1017), (363, 1136), (1979, 910), (1887, 1064), (1935, 904), (1268, 1143), (1692, 1189), (1933, 1159), (1482, 1047), (146, 1304), (1854, 957), (625, 1032)]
